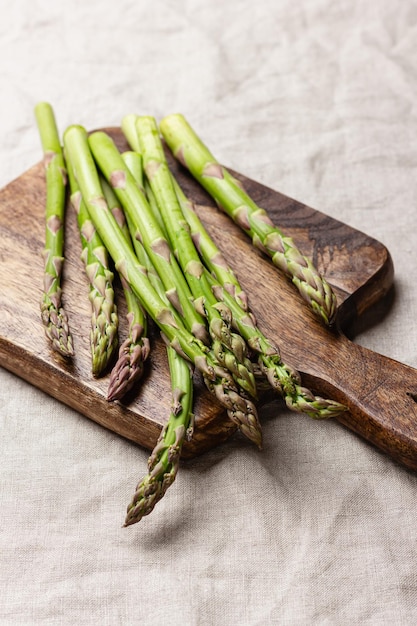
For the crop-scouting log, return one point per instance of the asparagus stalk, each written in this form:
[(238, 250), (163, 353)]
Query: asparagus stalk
[(137, 209), (134, 162), (231, 198), (244, 413), (54, 318), (164, 461), (104, 317), (136, 168), (230, 348), (175, 333), (135, 349), (114, 206), (241, 411)]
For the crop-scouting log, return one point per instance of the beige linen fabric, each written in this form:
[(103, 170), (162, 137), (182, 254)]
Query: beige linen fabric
[(317, 99)]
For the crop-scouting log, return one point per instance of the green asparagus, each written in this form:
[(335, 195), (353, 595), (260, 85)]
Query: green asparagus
[(54, 318), (133, 351), (135, 348), (229, 347), (104, 318), (164, 461), (241, 410), (231, 198), (134, 161), (130, 132), (130, 208)]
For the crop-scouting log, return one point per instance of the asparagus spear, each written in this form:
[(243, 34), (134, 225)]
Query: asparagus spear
[(164, 461), (229, 347), (104, 317), (134, 162), (54, 318), (240, 410), (242, 407), (283, 378), (238, 417), (175, 333), (231, 198), (135, 349)]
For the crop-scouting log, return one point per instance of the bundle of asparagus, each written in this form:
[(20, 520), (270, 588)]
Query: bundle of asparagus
[(181, 323), (130, 208), (156, 303)]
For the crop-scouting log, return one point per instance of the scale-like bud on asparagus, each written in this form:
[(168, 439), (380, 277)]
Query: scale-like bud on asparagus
[(231, 198), (164, 461), (173, 330), (104, 317), (54, 318)]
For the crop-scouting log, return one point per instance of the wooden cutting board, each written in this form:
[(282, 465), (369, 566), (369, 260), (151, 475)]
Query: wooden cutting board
[(380, 393)]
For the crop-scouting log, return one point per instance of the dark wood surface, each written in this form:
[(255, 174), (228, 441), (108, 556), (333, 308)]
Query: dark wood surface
[(379, 392)]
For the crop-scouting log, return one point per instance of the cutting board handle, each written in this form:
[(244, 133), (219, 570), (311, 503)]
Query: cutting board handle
[(381, 395)]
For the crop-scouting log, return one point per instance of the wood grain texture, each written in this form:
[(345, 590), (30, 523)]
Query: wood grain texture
[(379, 392)]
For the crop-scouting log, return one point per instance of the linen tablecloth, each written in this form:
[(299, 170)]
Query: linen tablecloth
[(316, 99)]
